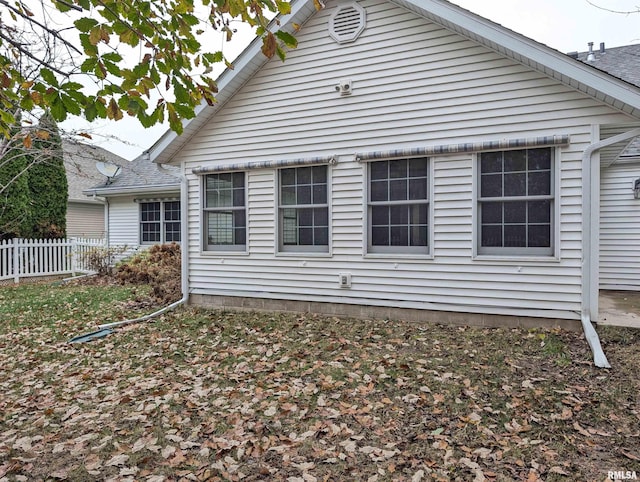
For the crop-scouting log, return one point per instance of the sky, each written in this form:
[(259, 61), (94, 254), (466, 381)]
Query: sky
[(565, 25)]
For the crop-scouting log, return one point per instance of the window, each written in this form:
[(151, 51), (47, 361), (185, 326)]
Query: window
[(398, 206), (516, 202), (172, 221), (159, 222), (303, 209), (225, 215)]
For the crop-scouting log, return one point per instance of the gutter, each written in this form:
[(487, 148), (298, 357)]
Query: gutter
[(590, 258), (131, 189)]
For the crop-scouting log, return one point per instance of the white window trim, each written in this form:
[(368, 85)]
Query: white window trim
[(399, 252), (161, 221), (555, 213), (222, 250), (302, 251)]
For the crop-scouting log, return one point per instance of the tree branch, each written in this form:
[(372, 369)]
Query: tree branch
[(31, 56), (637, 10), (41, 25)]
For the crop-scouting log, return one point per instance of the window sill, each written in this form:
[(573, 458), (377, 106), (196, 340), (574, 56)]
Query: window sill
[(223, 253), (399, 256), (303, 254), (508, 258)]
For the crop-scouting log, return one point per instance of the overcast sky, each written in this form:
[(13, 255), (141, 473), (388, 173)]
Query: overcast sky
[(565, 25)]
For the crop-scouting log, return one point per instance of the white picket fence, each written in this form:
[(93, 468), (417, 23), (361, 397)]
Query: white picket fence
[(26, 258)]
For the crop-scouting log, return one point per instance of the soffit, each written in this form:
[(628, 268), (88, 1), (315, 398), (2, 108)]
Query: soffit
[(611, 154)]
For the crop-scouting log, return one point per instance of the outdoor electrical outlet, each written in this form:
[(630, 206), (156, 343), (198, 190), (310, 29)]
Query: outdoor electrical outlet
[(345, 280)]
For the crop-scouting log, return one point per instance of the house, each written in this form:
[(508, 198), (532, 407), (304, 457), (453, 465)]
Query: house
[(619, 223), (85, 215), (408, 159), (141, 204)]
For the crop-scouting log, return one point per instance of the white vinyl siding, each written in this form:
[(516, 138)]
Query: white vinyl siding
[(124, 219), (414, 84), (619, 227), (85, 220)]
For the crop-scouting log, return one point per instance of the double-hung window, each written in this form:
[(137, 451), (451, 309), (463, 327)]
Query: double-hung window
[(398, 206), (303, 209), (516, 202), (224, 212), (159, 222)]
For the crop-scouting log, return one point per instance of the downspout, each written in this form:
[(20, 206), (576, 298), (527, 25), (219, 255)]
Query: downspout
[(591, 165), (106, 220), (183, 254)]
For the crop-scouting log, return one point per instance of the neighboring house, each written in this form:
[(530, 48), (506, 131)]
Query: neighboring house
[(408, 159), (619, 220), (85, 215), (142, 204)]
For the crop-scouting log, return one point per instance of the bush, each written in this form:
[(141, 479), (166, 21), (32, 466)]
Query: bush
[(101, 259), (159, 267)]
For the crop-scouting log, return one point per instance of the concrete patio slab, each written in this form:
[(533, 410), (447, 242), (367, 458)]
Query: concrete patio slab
[(619, 308)]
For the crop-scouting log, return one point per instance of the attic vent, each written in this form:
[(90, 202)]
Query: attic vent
[(347, 22)]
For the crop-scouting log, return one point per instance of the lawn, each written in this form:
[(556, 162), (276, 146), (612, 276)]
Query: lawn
[(213, 395)]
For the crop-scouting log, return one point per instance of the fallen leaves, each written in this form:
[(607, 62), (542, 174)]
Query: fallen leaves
[(205, 395)]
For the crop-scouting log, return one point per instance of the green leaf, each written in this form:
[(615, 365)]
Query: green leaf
[(288, 39), (174, 119), (112, 68), (48, 77), (213, 57), (91, 112), (129, 37), (101, 109), (90, 49), (100, 70), (113, 57), (284, 8), (140, 70), (85, 24), (71, 86), (62, 7), (7, 117), (182, 95), (71, 105), (89, 64), (184, 111), (190, 19), (58, 110), (26, 103), (154, 75)]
